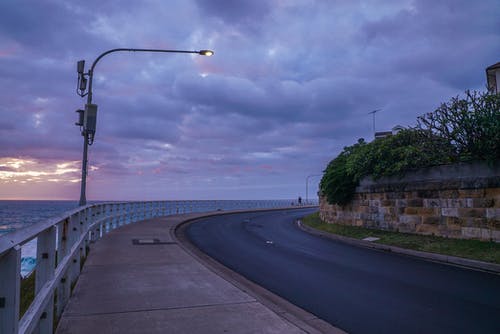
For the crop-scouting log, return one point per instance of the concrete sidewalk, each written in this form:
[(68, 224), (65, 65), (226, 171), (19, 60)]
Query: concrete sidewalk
[(129, 286)]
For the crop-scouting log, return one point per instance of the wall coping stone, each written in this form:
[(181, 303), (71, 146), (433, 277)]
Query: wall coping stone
[(472, 175)]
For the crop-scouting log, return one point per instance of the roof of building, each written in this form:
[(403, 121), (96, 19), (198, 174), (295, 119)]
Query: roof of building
[(493, 67)]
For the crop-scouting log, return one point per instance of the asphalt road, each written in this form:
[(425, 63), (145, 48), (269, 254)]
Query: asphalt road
[(356, 289)]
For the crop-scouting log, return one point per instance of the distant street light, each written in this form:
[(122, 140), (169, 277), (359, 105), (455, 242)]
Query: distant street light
[(88, 117), (373, 113), (307, 185)]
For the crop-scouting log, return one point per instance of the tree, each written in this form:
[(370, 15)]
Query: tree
[(471, 124)]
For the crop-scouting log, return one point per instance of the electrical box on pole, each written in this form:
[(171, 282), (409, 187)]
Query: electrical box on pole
[(80, 65), (81, 114), (90, 120)]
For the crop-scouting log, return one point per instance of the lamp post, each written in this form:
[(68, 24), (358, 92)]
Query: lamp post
[(307, 185), (88, 117), (373, 113)]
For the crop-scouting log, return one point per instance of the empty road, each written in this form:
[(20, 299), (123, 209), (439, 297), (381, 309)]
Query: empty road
[(356, 289)]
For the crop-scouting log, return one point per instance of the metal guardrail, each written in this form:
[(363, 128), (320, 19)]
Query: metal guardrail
[(61, 244)]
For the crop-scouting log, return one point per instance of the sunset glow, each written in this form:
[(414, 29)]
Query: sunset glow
[(14, 170)]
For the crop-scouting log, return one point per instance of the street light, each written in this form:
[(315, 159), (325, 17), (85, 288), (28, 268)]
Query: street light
[(88, 117), (373, 113), (307, 185)]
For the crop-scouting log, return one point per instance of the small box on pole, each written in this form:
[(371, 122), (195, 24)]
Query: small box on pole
[(90, 118)]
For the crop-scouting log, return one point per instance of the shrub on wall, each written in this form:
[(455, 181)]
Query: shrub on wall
[(462, 129), (409, 149)]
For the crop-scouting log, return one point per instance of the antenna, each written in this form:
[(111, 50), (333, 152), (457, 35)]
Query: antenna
[(373, 113), (82, 81)]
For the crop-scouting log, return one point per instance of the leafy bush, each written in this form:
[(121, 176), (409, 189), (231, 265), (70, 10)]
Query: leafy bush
[(338, 183), (471, 124), (409, 149), (459, 130)]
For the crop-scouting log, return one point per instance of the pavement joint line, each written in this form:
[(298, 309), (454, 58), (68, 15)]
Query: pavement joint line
[(79, 315)]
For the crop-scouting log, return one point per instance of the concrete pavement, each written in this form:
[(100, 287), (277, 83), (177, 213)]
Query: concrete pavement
[(139, 279)]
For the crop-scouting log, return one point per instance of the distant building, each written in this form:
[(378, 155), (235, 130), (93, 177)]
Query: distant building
[(397, 128), (394, 131), (382, 134), (493, 78)]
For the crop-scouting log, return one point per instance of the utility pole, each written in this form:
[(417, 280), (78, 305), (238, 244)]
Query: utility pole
[(307, 185), (373, 113)]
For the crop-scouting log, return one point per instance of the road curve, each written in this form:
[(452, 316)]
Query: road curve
[(359, 290)]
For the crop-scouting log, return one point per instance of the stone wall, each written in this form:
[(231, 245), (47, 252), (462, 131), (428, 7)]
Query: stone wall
[(457, 201)]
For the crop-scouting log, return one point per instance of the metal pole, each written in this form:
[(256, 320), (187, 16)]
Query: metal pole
[(374, 125), (83, 199), (373, 113), (307, 185), (307, 190)]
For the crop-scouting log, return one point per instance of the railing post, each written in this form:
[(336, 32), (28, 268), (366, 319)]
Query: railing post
[(114, 222), (45, 266), (88, 222), (126, 212), (63, 288), (121, 221), (137, 212), (84, 228), (10, 284), (74, 269)]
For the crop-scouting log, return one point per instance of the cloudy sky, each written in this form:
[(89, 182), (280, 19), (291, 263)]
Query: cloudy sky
[(291, 83)]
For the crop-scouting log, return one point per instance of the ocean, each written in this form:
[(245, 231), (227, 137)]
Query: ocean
[(19, 214)]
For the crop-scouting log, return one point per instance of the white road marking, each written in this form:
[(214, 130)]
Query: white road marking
[(371, 239)]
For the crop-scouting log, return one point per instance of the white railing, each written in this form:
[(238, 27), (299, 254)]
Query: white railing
[(61, 244)]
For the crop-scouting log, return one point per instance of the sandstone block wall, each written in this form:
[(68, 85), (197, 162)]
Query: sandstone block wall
[(457, 201)]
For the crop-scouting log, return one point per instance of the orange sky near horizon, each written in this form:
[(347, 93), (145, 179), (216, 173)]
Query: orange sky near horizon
[(29, 178)]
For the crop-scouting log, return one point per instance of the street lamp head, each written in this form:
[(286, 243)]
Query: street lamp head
[(207, 53)]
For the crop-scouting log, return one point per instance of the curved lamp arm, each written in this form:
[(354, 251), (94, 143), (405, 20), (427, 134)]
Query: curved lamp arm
[(91, 71)]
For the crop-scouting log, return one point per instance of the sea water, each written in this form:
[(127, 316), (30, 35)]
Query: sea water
[(19, 214)]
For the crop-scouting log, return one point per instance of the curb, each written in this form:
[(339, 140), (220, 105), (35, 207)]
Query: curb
[(299, 317), (446, 259)]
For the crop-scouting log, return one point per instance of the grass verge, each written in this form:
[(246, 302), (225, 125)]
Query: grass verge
[(472, 249), (27, 293)]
